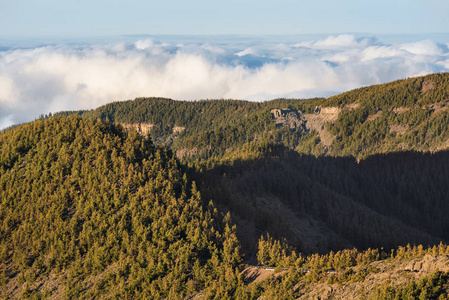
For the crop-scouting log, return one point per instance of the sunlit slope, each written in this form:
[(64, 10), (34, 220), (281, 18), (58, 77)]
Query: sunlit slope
[(409, 114), (88, 210)]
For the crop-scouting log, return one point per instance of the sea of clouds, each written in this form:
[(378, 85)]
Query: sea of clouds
[(70, 76)]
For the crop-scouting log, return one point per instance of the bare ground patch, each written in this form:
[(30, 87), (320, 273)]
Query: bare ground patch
[(436, 107), (427, 86), (400, 110), (255, 274), (318, 121), (398, 129), (395, 272), (375, 116), (351, 106)]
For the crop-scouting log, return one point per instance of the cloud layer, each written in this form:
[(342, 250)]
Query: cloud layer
[(44, 79)]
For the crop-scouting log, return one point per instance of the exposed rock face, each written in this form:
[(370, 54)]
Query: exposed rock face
[(426, 86), (178, 129), (289, 117), (141, 128), (330, 114), (306, 122), (318, 120)]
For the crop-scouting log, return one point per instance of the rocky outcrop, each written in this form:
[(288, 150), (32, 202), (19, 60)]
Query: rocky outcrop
[(427, 86), (295, 119), (289, 117), (145, 128), (329, 114), (318, 120), (141, 128), (178, 129)]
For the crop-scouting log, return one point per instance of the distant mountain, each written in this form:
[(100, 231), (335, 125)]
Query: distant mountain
[(410, 114)]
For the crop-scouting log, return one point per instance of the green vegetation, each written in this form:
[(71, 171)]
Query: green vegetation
[(434, 286), (351, 266), (107, 213), (416, 110), (89, 209), (383, 201), (211, 126), (412, 115)]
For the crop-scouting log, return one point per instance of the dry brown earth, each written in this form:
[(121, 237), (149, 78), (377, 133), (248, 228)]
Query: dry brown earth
[(395, 272)]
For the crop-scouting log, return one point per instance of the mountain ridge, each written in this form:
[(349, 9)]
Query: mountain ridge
[(407, 114), (96, 203)]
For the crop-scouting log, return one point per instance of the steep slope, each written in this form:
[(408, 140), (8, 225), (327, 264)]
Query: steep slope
[(408, 114), (91, 209), (409, 273), (417, 278), (88, 210), (322, 204), (325, 200)]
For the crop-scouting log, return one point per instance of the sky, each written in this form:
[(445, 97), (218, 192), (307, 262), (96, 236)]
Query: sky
[(79, 54), (81, 18)]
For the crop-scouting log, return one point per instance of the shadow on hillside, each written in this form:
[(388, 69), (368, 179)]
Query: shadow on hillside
[(321, 204)]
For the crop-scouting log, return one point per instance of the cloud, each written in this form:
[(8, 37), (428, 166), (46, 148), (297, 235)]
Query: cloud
[(426, 47), (247, 51), (35, 81), (341, 41)]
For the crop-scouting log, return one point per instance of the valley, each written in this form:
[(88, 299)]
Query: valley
[(158, 198)]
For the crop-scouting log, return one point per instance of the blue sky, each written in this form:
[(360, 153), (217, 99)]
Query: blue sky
[(85, 18), (80, 54)]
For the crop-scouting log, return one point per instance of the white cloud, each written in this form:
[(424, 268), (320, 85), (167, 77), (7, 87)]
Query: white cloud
[(247, 51), (426, 47), (144, 44), (54, 78), (374, 52), (8, 91), (341, 41)]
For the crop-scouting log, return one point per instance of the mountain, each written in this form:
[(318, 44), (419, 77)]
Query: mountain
[(89, 210), (138, 199), (409, 114), (366, 168)]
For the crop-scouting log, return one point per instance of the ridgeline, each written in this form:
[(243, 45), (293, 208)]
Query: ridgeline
[(138, 199)]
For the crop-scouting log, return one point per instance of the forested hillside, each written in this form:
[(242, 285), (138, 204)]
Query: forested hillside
[(89, 210), (324, 203), (290, 167), (139, 199), (409, 114)]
